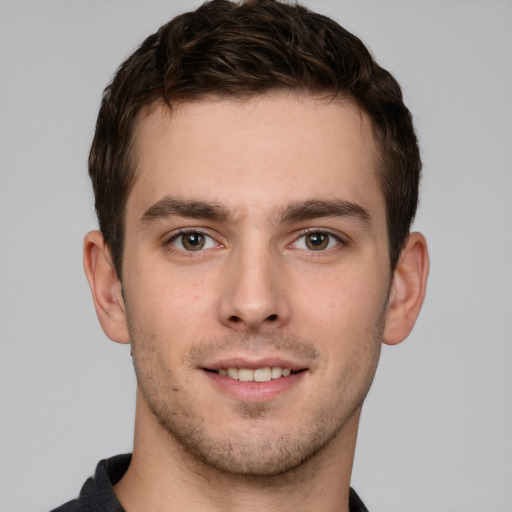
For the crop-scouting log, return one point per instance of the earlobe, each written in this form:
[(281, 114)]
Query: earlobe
[(105, 288), (407, 290)]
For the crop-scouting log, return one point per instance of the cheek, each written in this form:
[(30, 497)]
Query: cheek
[(344, 315), (159, 287), (346, 298)]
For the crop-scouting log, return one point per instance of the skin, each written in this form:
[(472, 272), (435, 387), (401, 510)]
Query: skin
[(260, 181)]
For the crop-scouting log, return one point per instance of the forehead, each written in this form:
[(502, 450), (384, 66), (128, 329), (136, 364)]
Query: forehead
[(261, 152)]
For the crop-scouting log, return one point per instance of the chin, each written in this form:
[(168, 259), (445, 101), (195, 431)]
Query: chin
[(256, 447)]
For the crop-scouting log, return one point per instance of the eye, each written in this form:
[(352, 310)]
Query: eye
[(192, 241), (317, 241)]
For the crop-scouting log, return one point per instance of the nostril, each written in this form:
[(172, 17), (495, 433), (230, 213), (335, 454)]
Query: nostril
[(237, 320)]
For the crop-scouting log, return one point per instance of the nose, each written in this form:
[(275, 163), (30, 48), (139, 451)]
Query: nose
[(254, 295)]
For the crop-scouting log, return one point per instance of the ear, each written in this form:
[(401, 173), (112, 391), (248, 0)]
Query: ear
[(105, 288), (407, 290)]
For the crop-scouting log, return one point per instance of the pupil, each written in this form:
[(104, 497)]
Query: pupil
[(317, 241), (193, 241)]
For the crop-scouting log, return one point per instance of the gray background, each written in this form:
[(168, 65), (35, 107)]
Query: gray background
[(436, 432)]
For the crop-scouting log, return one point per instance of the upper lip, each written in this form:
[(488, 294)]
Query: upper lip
[(253, 363)]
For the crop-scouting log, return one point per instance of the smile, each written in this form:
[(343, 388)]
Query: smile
[(255, 375), (255, 381)]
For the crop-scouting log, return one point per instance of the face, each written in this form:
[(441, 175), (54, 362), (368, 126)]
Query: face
[(255, 277)]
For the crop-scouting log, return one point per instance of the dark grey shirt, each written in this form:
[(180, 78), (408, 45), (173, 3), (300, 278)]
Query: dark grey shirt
[(97, 494)]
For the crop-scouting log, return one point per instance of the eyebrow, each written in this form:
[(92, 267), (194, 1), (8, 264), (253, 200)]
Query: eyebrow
[(169, 206), (316, 208), (302, 210)]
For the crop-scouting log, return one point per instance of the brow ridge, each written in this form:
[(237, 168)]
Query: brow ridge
[(297, 211), (169, 206), (317, 208)]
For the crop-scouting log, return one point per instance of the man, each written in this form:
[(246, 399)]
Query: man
[(256, 175)]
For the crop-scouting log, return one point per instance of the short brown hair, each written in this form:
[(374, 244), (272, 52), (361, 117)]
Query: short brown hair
[(244, 49)]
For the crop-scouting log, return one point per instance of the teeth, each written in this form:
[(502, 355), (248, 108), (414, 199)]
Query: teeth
[(233, 373), (262, 375), (276, 372), (259, 375), (245, 375)]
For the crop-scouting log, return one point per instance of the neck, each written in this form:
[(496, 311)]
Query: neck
[(163, 476)]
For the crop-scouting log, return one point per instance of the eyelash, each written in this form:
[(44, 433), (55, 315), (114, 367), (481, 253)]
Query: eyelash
[(183, 250), (339, 241), (212, 243)]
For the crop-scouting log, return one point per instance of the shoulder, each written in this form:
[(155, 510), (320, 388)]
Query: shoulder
[(97, 493), (355, 502)]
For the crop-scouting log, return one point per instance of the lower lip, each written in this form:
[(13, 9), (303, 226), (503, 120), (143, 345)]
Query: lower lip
[(253, 391)]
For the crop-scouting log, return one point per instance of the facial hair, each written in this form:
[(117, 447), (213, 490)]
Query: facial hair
[(254, 452)]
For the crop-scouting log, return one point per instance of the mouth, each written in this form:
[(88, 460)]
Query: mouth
[(264, 374), (255, 381)]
